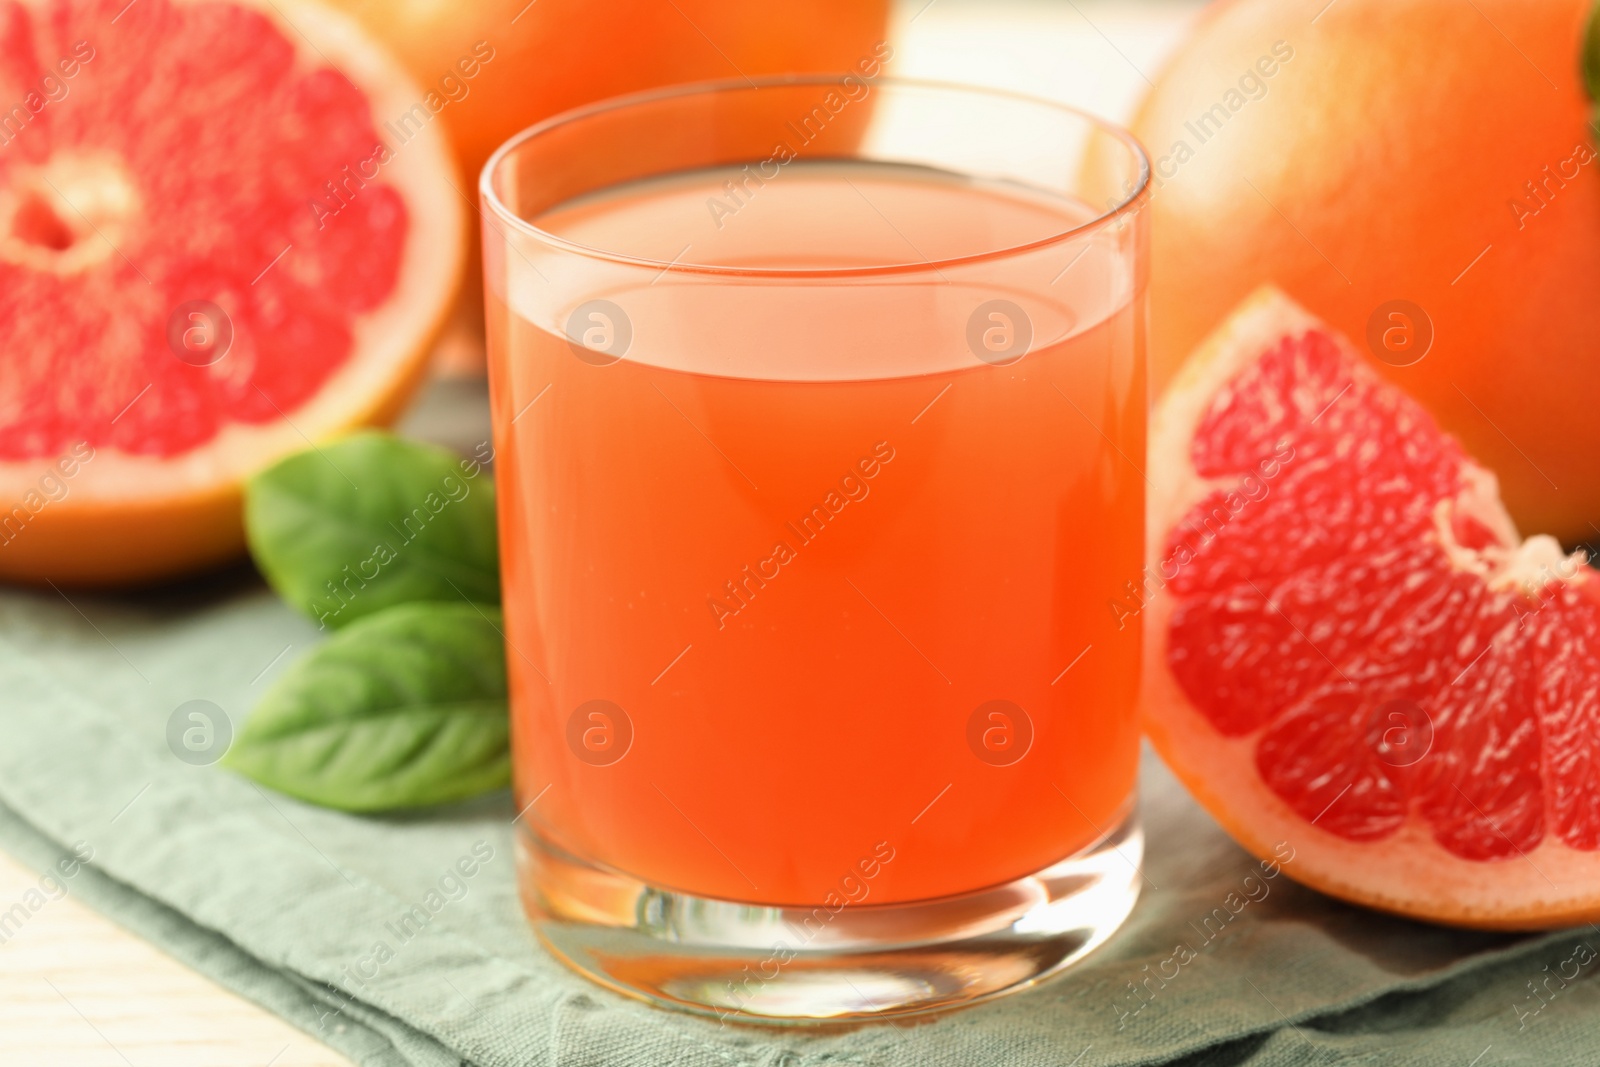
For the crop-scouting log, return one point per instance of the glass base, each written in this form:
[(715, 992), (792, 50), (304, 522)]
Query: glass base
[(764, 964)]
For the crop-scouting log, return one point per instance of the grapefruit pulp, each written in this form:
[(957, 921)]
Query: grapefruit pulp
[(206, 261), (1353, 652)]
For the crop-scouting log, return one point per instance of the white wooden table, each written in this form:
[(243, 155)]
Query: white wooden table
[(78, 991)]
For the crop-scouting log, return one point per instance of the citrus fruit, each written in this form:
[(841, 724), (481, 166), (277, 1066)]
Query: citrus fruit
[(498, 66), (1354, 660), (208, 258), (1430, 159)]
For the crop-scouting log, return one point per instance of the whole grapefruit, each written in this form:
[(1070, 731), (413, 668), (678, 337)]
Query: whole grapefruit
[(497, 66), (1419, 173)]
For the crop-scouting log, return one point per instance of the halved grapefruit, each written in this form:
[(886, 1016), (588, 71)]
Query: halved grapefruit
[(211, 253), (1352, 655)]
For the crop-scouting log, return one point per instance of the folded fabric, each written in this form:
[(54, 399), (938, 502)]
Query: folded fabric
[(368, 933)]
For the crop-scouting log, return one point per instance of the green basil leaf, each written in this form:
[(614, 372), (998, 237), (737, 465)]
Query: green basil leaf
[(370, 521), (403, 709)]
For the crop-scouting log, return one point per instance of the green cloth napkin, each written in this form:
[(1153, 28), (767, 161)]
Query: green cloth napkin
[(287, 903)]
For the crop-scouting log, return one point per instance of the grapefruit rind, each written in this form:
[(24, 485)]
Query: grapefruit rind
[(127, 519), (1407, 873)]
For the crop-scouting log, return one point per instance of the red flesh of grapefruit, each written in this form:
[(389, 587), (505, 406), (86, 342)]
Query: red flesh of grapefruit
[(1353, 651), (162, 153)]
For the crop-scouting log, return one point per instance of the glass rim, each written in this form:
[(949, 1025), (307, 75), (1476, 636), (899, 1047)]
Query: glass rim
[(1123, 205)]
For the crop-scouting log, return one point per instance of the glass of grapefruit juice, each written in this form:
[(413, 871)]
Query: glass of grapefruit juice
[(819, 410)]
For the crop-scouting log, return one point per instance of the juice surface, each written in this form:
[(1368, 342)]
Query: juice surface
[(799, 588)]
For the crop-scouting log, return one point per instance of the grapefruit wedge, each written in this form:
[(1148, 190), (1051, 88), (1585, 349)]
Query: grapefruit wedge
[(227, 230), (1353, 657)]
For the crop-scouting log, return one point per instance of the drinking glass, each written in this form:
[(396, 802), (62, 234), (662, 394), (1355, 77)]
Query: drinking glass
[(819, 409)]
